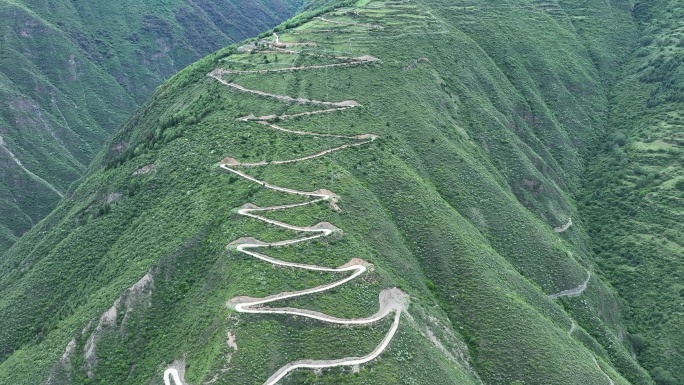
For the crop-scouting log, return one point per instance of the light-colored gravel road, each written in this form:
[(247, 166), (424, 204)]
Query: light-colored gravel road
[(574, 291), (391, 301)]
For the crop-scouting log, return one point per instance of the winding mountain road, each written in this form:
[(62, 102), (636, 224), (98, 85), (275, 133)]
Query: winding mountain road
[(574, 292), (172, 373), (391, 301), (350, 62), (610, 380), (565, 227), (284, 98), (279, 43)]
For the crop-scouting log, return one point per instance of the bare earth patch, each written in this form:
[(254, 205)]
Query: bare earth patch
[(145, 170)]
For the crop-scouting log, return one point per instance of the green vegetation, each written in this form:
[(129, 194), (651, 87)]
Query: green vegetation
[(486, 114), (635, 192), (71, 71)]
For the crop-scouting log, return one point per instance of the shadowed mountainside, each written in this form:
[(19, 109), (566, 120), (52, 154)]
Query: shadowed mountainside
[(634, 196), (71, 71)]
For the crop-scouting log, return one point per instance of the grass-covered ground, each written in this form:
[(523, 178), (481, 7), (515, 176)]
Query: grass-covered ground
[(483, 128), (635, 192)]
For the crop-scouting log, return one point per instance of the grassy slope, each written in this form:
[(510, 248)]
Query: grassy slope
[(455, 203), (636, 190), (70, 72)]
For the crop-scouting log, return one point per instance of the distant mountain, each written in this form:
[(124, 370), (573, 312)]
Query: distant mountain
[(374, 192), (71, 71)]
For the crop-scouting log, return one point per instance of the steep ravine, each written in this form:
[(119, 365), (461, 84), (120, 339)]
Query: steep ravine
[(441, 160), (70, 73)]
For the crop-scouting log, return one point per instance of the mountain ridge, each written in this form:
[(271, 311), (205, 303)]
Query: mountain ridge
[(455, 203)]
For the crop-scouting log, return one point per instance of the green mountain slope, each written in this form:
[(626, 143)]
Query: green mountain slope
[(72, 71), (636, 190), (445, 140)]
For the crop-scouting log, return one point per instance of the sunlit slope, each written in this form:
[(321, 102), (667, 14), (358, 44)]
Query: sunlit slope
[(453, 201)]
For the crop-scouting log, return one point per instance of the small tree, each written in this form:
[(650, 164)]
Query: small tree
[(663, 377), (679, 185)]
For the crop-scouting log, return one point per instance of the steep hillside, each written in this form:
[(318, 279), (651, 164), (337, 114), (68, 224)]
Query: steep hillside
[(72, 71), (635, 196), (380, 192)]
